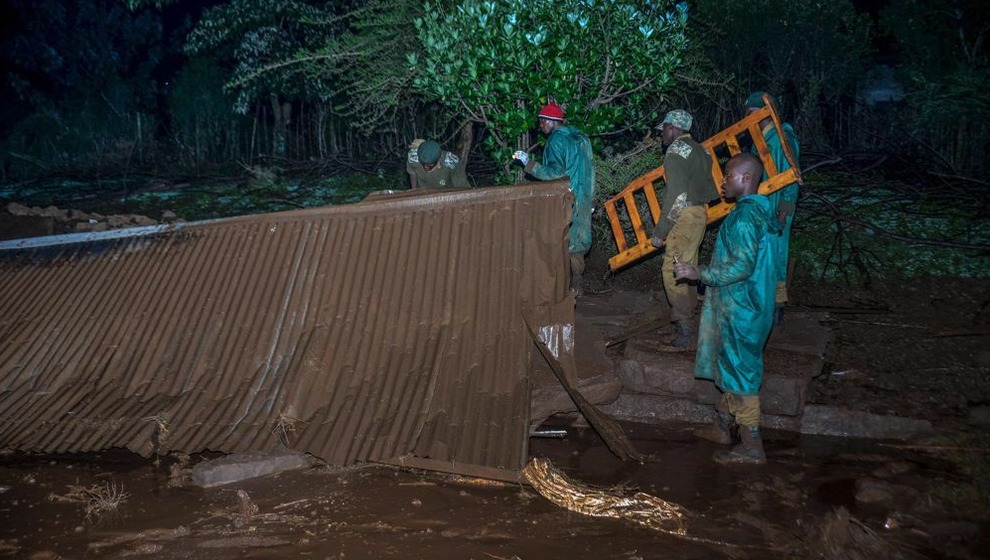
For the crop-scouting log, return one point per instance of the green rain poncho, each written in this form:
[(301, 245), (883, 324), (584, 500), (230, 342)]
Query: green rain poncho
[(568, 153), (785, 198), (738, 311)]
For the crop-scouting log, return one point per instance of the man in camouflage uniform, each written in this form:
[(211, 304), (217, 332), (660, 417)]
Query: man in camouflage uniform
[(429, 167), (684, 216)]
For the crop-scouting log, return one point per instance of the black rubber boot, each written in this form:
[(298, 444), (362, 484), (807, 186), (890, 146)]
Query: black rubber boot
[(748, 452), (720, 431)]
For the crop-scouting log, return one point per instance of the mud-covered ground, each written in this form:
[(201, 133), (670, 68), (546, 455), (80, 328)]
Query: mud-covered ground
[(913, 348), (916, 349)]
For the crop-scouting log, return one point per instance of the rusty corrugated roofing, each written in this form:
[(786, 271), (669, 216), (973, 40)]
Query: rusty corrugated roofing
[(366, 332)]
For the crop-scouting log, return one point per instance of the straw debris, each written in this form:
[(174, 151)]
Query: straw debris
[(640, 507)]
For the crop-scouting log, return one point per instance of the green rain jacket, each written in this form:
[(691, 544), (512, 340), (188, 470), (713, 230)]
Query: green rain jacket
[(738, 310), (785, 198), (568, 153)]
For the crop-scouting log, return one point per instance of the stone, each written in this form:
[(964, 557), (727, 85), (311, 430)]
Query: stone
[(831, 421), (54, 212), (655, 409), (242, 466), (675, 378), (783, 395), (16, 209), (553, 399), (878, 492)]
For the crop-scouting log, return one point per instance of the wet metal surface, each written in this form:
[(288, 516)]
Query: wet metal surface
[(367, 332)]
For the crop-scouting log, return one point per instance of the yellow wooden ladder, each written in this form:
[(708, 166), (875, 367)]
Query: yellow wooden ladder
[(643, 186)]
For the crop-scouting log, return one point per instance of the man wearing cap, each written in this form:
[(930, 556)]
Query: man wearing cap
[(429, 167), (684, 216), (567, 153), (784, 200)]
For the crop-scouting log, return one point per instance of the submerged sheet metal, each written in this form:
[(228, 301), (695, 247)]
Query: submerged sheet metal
[(374, 331)]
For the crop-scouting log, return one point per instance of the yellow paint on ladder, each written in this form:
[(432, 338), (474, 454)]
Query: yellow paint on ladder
[(643, 186)]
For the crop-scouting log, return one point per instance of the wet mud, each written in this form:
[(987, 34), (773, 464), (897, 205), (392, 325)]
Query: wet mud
[(783, 510)]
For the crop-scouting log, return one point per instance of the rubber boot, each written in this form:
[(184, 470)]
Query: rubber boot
[(720, 431), (748, 452), (684, 337)]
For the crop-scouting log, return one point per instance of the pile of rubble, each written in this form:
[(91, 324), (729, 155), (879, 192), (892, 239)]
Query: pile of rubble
[(18, 221)]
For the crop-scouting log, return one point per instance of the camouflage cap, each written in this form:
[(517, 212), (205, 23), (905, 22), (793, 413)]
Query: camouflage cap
[(679, 118)]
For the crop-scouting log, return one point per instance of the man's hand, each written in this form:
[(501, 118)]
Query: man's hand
[(686, 271), (521, 156)]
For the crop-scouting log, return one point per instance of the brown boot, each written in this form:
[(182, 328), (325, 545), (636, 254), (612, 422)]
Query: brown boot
[(748, 452), (719, 431)]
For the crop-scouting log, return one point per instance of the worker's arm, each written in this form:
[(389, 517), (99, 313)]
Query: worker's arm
[(675, 171), (553, 166)]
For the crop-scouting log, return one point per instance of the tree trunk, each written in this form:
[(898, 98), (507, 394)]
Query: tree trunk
[(464, 142)]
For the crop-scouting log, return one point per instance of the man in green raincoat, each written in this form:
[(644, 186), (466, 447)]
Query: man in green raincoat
[(784, 200), (738, 312), (567, 153)]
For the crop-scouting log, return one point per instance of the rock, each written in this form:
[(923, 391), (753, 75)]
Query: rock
[(655, 409), (117, 222), (168, 215), (54, 212), (241, 466), (16, 209), (831, 421), (893, 469), (78, 215), (553, 399), (878, 492), (142, 220), (675, 378)]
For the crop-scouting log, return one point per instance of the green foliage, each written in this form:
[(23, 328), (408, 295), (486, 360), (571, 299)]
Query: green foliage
[(946, 72), (374, 79), (204, 124), (78, 82), (273, 42), (802, 51), (612, 173), (496, 61)]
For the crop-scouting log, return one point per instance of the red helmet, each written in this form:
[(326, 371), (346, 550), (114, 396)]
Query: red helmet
[(552, 111)]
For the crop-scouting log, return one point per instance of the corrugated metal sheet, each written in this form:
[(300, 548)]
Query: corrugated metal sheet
[(368, 332)]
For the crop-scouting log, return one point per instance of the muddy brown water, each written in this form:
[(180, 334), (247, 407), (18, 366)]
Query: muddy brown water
[(376, 511)]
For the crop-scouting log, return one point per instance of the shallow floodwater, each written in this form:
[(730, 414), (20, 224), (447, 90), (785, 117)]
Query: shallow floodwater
[(375, 511)]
